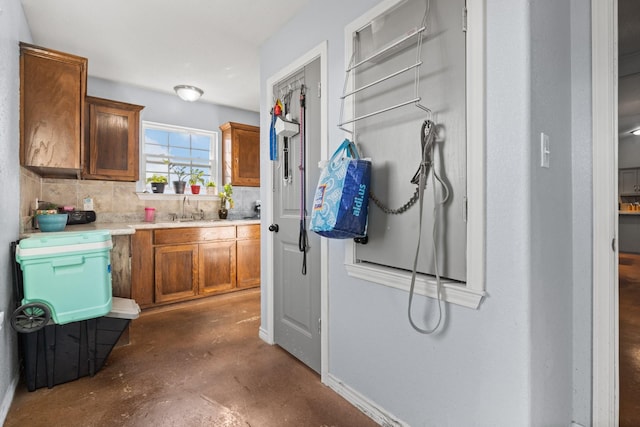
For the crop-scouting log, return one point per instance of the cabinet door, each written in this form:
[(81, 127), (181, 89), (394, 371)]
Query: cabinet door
[(248, 263), (142, 270), (248, 249), (111, 140), (52, 91), (176, 270), (241, 154), (217, 267), (628, 181)]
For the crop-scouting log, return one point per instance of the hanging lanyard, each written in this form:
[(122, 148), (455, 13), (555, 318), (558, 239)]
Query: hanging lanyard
[(303, 241)]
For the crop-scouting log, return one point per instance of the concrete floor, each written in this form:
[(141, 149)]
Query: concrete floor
[(629, 267), (198, 364)]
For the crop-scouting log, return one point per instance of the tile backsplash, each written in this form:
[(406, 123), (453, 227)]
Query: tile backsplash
[(117, 201)]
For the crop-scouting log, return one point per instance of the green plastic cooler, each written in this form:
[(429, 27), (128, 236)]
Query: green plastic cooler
[(66, 274)]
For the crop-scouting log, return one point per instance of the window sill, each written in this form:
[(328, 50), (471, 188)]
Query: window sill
[(163, 196), (452, 291)]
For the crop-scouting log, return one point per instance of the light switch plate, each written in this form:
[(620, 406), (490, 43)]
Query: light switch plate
[(545, 152)]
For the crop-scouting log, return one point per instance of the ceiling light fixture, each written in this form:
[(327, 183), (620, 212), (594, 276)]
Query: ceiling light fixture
[(188, 93), (636, 132)]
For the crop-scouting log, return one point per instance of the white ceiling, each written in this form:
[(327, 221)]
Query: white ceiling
[(158, 44)]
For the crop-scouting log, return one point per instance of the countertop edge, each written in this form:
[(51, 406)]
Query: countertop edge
[(122, 229)]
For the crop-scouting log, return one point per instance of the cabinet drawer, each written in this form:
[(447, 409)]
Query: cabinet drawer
[(168, 236), (249, 231)]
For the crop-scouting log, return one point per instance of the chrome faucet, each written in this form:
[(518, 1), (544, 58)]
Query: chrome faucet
[(185, 199)]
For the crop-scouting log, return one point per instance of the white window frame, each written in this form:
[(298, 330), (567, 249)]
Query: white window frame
[(470, 293), (214, 150)]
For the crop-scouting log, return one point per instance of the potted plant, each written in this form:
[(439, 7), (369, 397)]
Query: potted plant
[(225, 196), (180, 172), (49, 218), (157, 183), (211, 187), (196, 177)]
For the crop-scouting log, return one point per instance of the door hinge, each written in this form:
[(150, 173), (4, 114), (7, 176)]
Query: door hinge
[(319, 89), (613, 244), (319, 325), (464, 19), (465, 209)]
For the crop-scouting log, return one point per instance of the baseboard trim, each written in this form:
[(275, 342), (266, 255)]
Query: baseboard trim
[(365, 405), (8, 398), (264, 336)]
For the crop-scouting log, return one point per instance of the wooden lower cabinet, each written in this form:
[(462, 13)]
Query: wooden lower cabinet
[(142, 268), (248, 256), (176, 269), (217, 270), (178, 264)]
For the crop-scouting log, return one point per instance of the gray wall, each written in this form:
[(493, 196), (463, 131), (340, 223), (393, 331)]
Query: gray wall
[(550, 212), (13, 28), (511, 362), (169, 109)]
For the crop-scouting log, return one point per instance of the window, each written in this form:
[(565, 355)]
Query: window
[(366, 35), (184, 147)]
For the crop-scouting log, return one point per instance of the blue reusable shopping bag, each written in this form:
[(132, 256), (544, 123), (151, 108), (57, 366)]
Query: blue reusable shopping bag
[(341, 200)]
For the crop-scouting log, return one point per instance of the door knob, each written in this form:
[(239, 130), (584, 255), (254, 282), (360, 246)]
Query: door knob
[(274, 227)]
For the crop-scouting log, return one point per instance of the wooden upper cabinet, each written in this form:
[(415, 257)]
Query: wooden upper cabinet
[(241, 154), (53, 86), (112, 133)]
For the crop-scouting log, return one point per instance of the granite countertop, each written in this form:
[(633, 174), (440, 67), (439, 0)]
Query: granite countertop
[(118, 229), (629, 212)]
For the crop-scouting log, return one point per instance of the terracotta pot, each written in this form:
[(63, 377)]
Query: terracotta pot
[(222, 213), (195, 189)]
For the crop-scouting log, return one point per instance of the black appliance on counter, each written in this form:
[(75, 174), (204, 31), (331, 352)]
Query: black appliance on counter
[(80, 217)]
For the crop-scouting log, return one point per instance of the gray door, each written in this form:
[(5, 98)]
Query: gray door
[(297, 294)]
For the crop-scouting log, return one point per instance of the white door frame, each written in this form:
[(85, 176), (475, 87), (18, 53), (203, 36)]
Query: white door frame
[(605, 385), (320, 51)]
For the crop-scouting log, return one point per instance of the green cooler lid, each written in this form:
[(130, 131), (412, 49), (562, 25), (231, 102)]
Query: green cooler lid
[(63, 242)]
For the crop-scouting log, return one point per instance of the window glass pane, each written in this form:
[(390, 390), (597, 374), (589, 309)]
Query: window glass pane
[(179, 139), (181, 147), (201, 142), (157, 150), (156, 136), (159, 169), (178, 153), (199, 154)]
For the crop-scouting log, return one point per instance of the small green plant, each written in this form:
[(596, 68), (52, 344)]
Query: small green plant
[(225, 196), (196, 177), (211, 184), (179, 171), (157, 178), (49, 207)]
